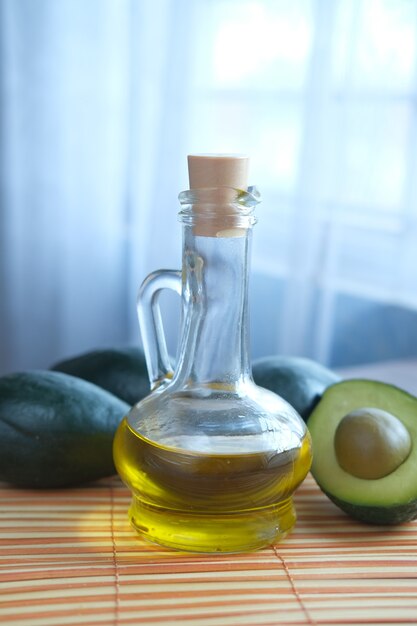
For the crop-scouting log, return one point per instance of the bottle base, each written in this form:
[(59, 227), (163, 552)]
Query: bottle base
[(219, 532)]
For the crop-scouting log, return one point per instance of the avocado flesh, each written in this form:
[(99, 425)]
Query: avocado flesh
[(388, 500)]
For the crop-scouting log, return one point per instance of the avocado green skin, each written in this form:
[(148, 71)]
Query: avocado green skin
[(56, 430), (300, 381), (122, 372), (378, 515)]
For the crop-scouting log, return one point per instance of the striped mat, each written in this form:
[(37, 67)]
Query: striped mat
[(70, 557)]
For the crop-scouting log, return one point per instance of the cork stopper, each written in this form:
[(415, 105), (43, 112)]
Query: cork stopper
[(218, 170), (222, 173)]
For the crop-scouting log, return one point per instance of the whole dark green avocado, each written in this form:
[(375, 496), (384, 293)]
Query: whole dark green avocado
[(122, 371), (300, 381), (56, 430)]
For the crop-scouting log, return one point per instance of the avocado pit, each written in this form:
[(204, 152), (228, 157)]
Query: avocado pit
[(371, 443)]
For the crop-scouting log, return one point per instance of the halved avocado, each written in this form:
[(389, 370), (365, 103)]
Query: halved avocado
[(339, 425)]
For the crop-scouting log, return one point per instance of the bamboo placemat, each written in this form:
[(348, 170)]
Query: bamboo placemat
[(70, 557)]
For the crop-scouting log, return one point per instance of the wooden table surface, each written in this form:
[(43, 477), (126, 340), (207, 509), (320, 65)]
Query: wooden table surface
[(71, 557)]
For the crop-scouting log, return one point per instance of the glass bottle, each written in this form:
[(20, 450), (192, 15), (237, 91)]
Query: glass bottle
[(212, 460)]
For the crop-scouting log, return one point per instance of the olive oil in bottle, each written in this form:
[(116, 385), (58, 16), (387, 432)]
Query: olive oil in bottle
[(220, 502)]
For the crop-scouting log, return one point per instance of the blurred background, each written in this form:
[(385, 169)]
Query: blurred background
[(101, 101)]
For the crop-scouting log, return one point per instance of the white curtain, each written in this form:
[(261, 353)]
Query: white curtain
[(102, 100), (91, 124)]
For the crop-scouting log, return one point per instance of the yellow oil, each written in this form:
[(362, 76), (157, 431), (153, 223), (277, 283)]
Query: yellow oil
[(209, 502)]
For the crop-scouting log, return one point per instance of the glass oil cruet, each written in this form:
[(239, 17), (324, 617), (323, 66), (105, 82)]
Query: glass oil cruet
[(211, 459)]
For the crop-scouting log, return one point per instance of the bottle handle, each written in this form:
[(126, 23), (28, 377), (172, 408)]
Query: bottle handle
[(151, 326)]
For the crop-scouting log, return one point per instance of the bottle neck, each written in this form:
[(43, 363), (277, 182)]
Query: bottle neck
[(215, 344)]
